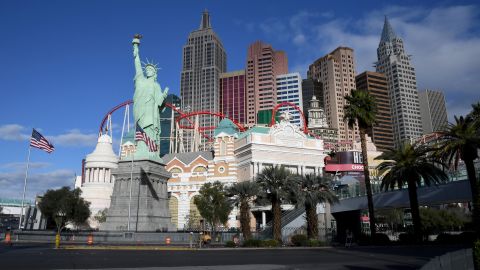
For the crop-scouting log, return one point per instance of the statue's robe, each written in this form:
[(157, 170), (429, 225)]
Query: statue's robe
[(146, 102)]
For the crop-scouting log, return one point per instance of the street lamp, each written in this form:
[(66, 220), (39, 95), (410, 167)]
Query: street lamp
[(59, 221)]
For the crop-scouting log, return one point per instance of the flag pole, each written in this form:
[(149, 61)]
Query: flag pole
[(130, 194), (24, 187)]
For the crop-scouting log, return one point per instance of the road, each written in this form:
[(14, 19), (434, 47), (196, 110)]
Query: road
[(42, 256)]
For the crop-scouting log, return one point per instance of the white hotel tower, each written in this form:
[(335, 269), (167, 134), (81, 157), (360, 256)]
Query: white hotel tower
[(394, 62), (98, 186)]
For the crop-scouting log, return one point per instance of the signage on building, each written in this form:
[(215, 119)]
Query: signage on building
[(344, 168), (349, 161)]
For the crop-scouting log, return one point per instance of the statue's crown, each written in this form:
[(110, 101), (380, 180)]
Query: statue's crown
[(150, 64)]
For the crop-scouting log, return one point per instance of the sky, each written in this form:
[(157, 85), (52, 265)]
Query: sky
[(65, 64)]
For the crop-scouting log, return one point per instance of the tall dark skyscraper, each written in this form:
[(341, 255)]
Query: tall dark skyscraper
[(204, 58), (310, 88), (167, 124), (396, 64)]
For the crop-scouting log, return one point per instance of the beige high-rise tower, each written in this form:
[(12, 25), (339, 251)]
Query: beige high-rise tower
[(263, 65), (336, 71)]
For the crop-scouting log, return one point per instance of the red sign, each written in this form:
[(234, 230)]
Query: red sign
[(344, 168), (365, 218)]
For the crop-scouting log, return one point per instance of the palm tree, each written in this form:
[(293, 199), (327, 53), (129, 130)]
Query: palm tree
[(275, 184), (313, 190), (243, 194), (461, 141), (410, 164), (362, 110), (475, 113)]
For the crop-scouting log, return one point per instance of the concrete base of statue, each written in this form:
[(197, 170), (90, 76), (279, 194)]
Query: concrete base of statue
[(149, 201)]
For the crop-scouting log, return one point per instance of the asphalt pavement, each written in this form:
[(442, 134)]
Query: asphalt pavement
[(43, 256)]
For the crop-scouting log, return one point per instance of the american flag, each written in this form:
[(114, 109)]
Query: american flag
[(140, 135), (38, 141)]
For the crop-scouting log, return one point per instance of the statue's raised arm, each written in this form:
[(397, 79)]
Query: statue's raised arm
[(136, 56)]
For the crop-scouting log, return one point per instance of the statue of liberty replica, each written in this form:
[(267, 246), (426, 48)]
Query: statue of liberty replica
[(139, 200), (148, 101)]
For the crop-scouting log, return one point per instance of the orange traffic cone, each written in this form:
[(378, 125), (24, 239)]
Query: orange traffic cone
[(90, 239), (8, 239)]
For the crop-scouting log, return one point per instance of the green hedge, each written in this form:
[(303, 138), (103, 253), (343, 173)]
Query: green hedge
[(476, 254), (230, 244), (299, 240), (261, 243)]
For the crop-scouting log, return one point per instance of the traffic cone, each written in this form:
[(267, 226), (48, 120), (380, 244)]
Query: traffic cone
[(8, 239), (90, 239)]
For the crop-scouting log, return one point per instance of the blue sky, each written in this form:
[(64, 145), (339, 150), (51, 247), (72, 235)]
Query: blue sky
[(64, 64)]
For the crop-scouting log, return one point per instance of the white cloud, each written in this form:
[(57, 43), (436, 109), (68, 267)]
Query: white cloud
[(443, 41), (13, 132), (37, 183), (75, 138), (22, 165)]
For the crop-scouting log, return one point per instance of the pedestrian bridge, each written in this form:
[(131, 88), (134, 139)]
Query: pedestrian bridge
[(455, 191)]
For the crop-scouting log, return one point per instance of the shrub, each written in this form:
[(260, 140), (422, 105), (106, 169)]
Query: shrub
[(252, 243), (467, 237), (230, 244), (476, 253), (299, 240), (270, 243), (406, 238), (446, 238), (381, 239), (315, 243)]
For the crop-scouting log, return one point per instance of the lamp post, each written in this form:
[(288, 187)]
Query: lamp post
[(59, 221)]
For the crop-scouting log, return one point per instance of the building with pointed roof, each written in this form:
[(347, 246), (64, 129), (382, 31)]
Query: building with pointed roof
[(204, 59), (396, 64)]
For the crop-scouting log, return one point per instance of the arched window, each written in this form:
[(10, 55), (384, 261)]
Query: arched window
[(200, 169), (175, 170)]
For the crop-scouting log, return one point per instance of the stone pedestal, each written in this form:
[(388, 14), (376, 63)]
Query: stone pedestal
[(149, 202)]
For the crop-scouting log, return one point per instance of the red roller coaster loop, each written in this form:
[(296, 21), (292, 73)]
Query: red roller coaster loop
[(182, 116), (220, 115), (293, 105), (128, 102)]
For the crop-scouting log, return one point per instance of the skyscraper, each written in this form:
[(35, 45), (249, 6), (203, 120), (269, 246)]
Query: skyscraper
[(310, 88), (167, 124), (336, 72), (263, 65), (204, 58), (394, 62), (289, 89), (376, 84), (433, 110), (232, 95)]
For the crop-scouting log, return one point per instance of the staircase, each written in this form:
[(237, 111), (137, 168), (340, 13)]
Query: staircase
[(290, 218)]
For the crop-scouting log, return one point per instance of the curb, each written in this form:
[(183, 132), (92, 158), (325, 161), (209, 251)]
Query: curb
[(79, 247), (82, 247)]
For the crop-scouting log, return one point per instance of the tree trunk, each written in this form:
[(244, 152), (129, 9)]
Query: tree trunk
[(474, 186), (417, 222), (368, 186), (245, 220), (277, 220), (312, 221)]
